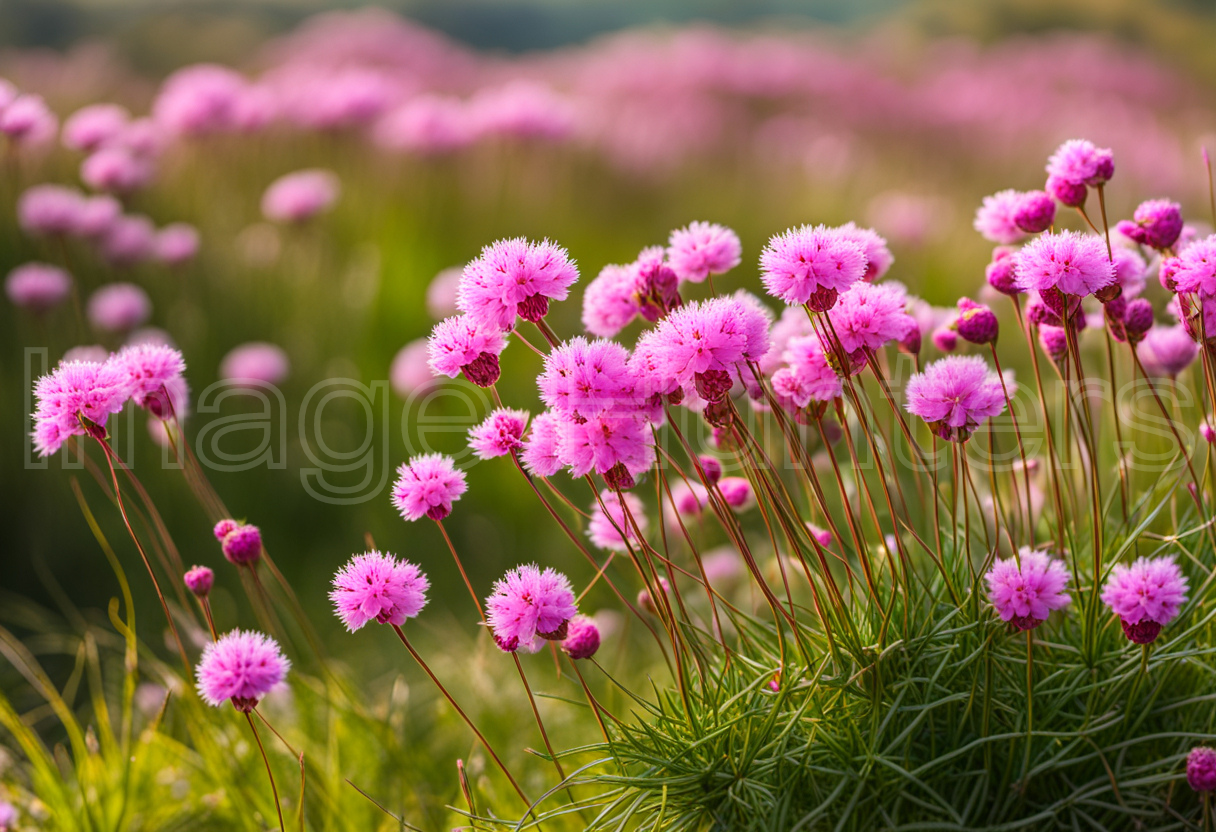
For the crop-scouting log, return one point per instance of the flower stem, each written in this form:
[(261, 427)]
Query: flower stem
[(273, 788)]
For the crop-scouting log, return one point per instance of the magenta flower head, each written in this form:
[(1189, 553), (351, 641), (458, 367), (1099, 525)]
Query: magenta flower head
[(1146, 596), (995, 218), (460, 345), (378, 587), (1137, 319), (223, 527), (199, 581), (410, 371), (427, 486), (609, 302), (737, 492), (1156, 223), (656, 287), (1166, 351), (1001, 272), (50, 210), (976, 323), (1035, 212), (90, 127), (1054, 341), (514, 277), (300, 196), (242, 544), (151, 369), (613, 530), (869, 315), (97, 215), (582, 638), (702, 249), (255, 363), (1194, 270), (711, 466), (528, 606), (811, 265), (26, 120), (176, 243), (1201, 769), (37, 286), (584, 378), (878, 256), (620, 448), (119, 307), (241, 667), (1075, 264), (1079, 162), (441, 293), (1069, 193), (954, 395), (499, 434), (1024, 593), (117, 170), (75, 399), (540, 447), (129, 239)]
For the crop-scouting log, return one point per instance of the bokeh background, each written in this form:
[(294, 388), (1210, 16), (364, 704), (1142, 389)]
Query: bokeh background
[(600, 125)]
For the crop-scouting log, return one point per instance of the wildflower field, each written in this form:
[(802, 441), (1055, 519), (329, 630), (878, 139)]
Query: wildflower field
[(692, 429)]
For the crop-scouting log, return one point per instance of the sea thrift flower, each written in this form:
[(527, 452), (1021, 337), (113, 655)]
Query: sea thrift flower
[(410, 371), (609, 303), (49, 210), (878, 256), (529, 605), (1194, 270), (1078, 161), (1001, 272), (150, 368), (223, 527), (1075, 264), (128, 240), (458, 344), (441, 293), (1069, 193), (954, 395), (427, 486), (176, 243), (822, 536), (90, 127), (619, 447), (375, 586), (514, 277), (97, 216), (26, 120), (300, 196), (1035, 212), (1137, 319), (255, 363), (976, 323), (1025, 593), (995, 218), (810, 375), (1054, 341), (656, 287), (242, 544), (37, 286), (1166, 351), (605, 529), (582, 638), (737, 492), (582, 379), (1207, 432), (1146, 596), (540, 447), (200, 99), (1156, 223), (118, 307), (199, 581), (73, 391), (646, 600), (1201, 769), (868, 315), (944, 339), (241, 667), (811, 265), (702, 249), (711, 467), (116, 170), (499, 434)]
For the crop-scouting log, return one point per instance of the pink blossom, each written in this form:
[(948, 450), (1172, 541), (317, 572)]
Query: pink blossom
[(459, 344), (26, 120), (811, 262), (822, 536), (1146, 596), (606, 529), (737, 492), (300, 196), (73, 390), (878, 256), (176, 243), (701, 249), (97, 215), (1156, 223), (582, 638), (1079, 162), (499, 434), (427, 486), (117, 170), (199, 581), (118, 307), (1194, 270), (540, 454), (523, 110), (869, 315), (515, 277), (128, 240), (242, 666), (49, 209), (656, 287), (619, 447), (37, 286), (1054, 341), (1130, 270), (1167, 351), (90, 127), (410, 371), (995, 218), (1035, 213), (241, 544), (441, 293), (1076, 264), (378, 587), (529, 605), (976, 323), (1001, 272), (810, 375), (255, 363), (200, 99), (1025, 593), (583, 379), (609, 304), (954, 395), (150, 370), (1201, 769), (427, 124)]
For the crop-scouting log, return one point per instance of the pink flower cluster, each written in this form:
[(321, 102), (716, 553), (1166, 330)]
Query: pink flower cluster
[(529, 606), (1025, 590), (241, 667), (1146, 596), (378, 587)]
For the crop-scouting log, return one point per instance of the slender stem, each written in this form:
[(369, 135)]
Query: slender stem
[(1029, 703), (273, 788), (459, 565)]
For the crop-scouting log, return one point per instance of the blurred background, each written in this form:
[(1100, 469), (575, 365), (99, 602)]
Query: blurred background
[(450, 124)]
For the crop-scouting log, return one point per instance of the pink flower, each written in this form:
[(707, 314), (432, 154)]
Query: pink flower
[(1201, 769), (73, 390), (1166, 351), (200, 99), (711, 467), (529, 605), (241, 544), (1156, 223), (49, 209), (1079, 162), (1075, 264), (702, 249), (1146, 596), (222, 528), (1001, 272), (605, 529), (619, 447), (242, 667), (954, 395), (375, 586), (410, 371), (540, 448), (300, 196), (427, 486), (458, 344), (976, 323), (118, 307), (255, 363), (878, 256), (199, 581), (805, 263), (27, 121), (582, 638), (656, 287), (150, 370), (441, 293), (1035, 213), (1194, 270), (737, 492), (1025, 594), (499, 434), (515, 277), (609, 304), (90, 127), (995, 218), (582, 379), (97, 215), (117, 170), (869, 315), (37, 286), (427, 124), (1054, 341), (129, 239), (811, 376), (822, 536), (176, 243)]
